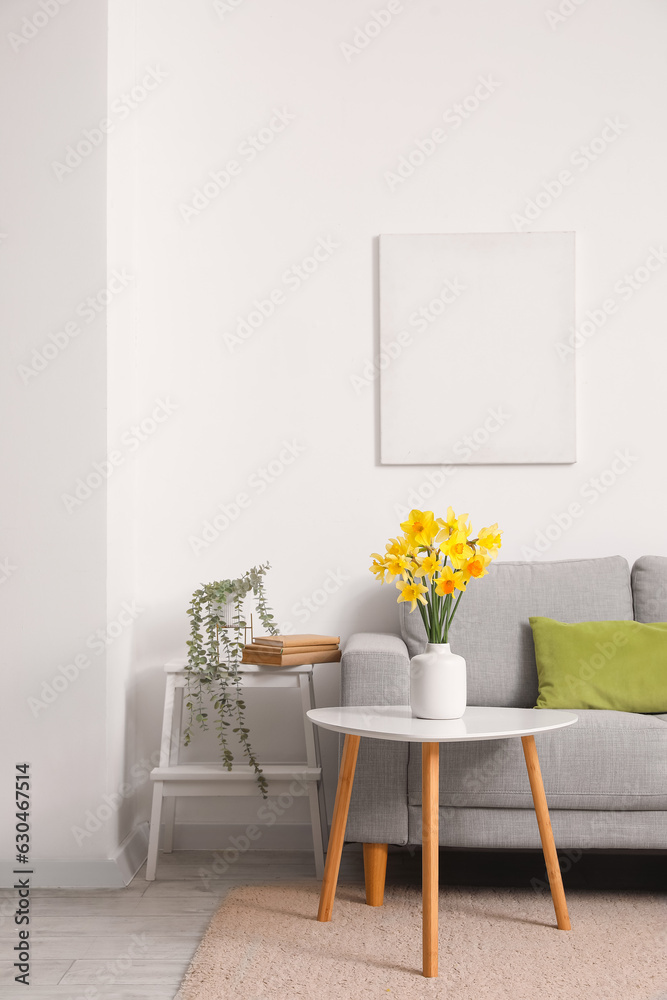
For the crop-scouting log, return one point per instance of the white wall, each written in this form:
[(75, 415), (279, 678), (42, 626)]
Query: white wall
[(549, 91), (52, 386), (220, 72)]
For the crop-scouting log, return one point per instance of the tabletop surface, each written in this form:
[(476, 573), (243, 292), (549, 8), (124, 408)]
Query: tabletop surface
[(396, 722)]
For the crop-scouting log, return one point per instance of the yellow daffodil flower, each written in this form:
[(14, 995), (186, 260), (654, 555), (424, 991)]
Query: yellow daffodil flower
[(428, 566), (448, 580), (397, 566), (378, 566), (411, 592), (476, 567), (457, 549), (451, 519), (399, 547), (451, 524), (433, 559), (447, 525), (489, 540), (463, 525), (421, 527)]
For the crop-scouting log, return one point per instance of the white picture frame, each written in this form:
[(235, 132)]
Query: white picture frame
[(474, 333)]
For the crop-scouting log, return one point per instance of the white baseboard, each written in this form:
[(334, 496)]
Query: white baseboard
[(132, 853), (110, 873)]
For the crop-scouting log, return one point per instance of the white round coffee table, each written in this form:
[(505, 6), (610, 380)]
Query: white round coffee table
[(389, 722)]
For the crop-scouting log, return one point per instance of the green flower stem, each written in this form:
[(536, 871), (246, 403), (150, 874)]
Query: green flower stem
[(433, 611), (441, 613), (451, 617), (437, 614), (422, 612), (445, 631)]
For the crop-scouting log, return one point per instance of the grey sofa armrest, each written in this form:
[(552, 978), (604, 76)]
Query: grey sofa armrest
[(375, 670)]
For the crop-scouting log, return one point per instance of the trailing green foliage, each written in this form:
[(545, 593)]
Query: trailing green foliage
[(214, 657)]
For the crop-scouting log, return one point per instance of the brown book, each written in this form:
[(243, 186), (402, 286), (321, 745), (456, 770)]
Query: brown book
[(277, 650), (289, 659), (298, 640)]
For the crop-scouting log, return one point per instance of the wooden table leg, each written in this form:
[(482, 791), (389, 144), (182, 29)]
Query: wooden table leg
[(546, 833), (337, 836), (375, 872), (430, 840)]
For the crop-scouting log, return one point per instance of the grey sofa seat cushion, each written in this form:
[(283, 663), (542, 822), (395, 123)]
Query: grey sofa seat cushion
[(649, 589), (491, 629), (574, 830), (607, 761)]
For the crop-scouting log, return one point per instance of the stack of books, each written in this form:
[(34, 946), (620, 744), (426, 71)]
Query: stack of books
[(290, 650)]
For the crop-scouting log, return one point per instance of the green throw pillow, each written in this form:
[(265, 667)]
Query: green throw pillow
[(607, 665)]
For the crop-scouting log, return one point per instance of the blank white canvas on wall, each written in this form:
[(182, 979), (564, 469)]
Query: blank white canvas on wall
[(471, 325)]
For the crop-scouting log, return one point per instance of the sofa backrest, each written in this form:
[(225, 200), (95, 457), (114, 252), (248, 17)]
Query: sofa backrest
[(649, 589), (491, 628)]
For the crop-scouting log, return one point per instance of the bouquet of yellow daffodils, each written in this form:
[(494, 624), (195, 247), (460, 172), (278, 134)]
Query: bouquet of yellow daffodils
[(433, 559)]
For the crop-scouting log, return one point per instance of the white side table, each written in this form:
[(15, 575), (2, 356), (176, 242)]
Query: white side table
[(397, 723), (172, 779)]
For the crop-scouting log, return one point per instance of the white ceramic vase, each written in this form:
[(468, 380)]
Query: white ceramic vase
[(437, 683)]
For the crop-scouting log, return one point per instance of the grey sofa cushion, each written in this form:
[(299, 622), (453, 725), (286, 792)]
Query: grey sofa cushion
[(649, 589), (491, 628), (573, 829), (608, 760)]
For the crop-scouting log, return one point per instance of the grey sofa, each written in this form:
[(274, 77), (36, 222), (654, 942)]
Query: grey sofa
[(605, 778)]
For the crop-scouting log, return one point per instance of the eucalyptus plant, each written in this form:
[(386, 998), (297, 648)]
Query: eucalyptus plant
[(214, 656)]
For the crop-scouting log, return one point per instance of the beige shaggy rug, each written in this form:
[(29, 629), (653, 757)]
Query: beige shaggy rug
[(264, 943)]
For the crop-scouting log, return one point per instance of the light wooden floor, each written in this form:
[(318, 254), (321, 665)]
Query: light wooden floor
[(136, 943)]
